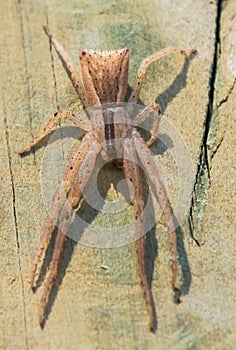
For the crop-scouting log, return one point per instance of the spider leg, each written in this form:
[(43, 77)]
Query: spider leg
[(78, 120), (74, 195), (160, 193), (71, 68), (71, 170), (47, 230), (146, 62), (132, 174), (144, 114), (65, 218)]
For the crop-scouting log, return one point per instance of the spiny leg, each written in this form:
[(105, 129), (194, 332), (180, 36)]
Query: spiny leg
[(78, 120), (64, 221), (132, 174), (70, 172), (146, 62), (47, 230), (144, 114), (160, 193), (73, 70), (65, 218)]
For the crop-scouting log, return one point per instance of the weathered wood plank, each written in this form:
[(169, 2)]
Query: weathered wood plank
[(92, 307)]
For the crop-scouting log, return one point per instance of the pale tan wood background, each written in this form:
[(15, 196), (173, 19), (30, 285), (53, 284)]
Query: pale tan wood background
[(93, 308)]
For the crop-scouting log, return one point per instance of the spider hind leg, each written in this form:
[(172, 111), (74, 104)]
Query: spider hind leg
[(132, 174)]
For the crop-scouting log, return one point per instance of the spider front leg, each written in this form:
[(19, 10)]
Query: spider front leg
[(145, 64), (73, 197), (132, 174), (71, 68)]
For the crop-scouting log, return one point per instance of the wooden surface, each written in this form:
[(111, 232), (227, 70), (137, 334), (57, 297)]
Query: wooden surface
[(93, 307)]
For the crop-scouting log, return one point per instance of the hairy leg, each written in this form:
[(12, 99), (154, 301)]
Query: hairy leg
[(132, 174), (146, 62), (72, 69), (78, 120), (59, 198), (47, 230), (162, 198), (65, 218), (73, 197)]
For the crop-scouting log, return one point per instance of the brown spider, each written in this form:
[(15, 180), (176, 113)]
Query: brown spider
[(101, 79)]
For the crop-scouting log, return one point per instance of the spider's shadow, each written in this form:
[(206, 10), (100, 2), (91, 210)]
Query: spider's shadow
[(177, 85)]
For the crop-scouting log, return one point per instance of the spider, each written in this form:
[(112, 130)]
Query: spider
[(103, 79)]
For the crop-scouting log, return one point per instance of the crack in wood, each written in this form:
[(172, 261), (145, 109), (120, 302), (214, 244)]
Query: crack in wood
[(53, 67), (203, 177), (9, 153), (224, 100), (26, 72)]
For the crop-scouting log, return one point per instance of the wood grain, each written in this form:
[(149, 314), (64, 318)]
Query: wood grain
[(98, 302)]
